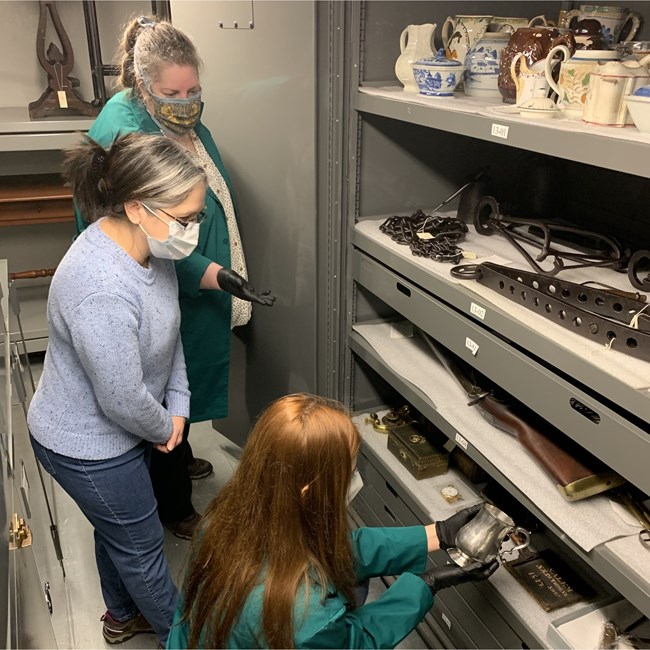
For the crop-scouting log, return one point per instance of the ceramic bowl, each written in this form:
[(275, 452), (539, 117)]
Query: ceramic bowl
[(437, 76), (538, 113), (639, 106)]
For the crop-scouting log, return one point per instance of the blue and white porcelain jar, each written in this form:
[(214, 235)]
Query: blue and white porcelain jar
[(437, 76), (482, 62)]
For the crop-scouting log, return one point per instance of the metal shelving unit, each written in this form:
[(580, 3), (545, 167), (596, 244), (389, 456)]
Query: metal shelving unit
[(583, 147), (404, 153)]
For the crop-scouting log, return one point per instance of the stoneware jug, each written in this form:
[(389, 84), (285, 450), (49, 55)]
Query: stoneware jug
[(529, 82), (609, 85), (510, 24), (480, 539), (415, 43), (534, 43), (575, 73), (614, 20), (482, 65), (466, 31)]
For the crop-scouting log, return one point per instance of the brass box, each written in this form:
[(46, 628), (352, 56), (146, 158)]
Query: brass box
[(416, 453)]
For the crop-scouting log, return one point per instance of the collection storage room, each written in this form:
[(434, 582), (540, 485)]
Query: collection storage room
[(325, 324)]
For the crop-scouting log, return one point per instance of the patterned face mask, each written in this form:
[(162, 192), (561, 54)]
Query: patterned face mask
[(177, 115)]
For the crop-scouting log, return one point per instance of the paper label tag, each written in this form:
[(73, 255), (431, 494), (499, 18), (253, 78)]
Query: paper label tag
[(477, 310), (471, 345), (461, 441), (63, 99), (424, 235), (500, 131), (445, 618), (469, 255)]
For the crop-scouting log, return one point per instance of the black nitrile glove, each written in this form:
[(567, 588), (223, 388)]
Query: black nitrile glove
[(446, 530), (451, 575), (240, 288)]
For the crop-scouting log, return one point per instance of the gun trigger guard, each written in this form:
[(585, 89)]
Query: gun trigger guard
[(476, 396)]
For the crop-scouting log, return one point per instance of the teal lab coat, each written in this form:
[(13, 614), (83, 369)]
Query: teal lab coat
[(326, 620), (205, 315)]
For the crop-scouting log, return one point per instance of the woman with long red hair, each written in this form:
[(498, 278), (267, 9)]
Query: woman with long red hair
[(274, 563)]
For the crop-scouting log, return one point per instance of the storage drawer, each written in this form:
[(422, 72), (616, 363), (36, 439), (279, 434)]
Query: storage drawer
[(387, 491), (553, 397)]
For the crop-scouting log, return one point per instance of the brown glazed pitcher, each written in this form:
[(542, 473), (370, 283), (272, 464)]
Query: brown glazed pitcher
[(534, 43)]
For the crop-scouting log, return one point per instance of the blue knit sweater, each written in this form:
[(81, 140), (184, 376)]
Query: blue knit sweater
[(114, 353)]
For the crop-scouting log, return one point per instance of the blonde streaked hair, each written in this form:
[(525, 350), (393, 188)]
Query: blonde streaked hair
[(149, 44), (264, 526), (136, 167)]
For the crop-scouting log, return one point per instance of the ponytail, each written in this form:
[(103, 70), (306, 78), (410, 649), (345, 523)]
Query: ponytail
[(148, 44)]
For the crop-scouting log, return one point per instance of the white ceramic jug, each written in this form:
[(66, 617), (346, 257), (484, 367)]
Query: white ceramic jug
[(609, 84), (415, 42), (466, 31), (575, 73), (529, 82)]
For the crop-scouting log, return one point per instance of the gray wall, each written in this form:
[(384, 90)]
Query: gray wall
[(259, 91)]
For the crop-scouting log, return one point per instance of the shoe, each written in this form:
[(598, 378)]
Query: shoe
[(117, 632), (185, 527), (199, 468)]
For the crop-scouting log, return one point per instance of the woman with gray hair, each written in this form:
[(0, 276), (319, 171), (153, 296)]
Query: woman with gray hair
[(114, 382), (162, 94)]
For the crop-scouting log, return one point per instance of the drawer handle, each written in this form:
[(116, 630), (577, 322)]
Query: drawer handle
[(403, 289), (391, 489), (390, 514), (583, 409)]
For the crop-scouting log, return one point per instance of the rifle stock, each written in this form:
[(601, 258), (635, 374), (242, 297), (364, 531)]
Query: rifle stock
[(574, 480)]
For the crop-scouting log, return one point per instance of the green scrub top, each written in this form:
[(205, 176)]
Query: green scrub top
[(326, 620), (205, 315)]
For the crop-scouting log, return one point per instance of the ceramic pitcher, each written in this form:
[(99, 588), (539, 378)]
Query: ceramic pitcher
[(529, 82), (575, 73), (609, 85), (415, 43), (534, 43), (480, 539), (482, 65), (466, 31), (511, 24), (613, 20)]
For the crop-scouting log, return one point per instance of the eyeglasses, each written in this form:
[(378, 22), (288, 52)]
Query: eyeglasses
[(199, 217)]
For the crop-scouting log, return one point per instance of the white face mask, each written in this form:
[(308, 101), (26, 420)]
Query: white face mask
[(356, 483), (180, 241)]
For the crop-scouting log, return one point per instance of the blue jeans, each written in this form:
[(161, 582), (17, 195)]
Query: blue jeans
[(116, 497)]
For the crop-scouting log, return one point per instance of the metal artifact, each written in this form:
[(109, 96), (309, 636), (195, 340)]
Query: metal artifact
[(480, 539), (427, 236), (609, 319), (451, 494), (394, 418), (639, 263), (412, 448), (488, 219), (60, 94), (575, 479)]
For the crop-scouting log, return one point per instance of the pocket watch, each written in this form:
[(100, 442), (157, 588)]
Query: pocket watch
[(450, 494)]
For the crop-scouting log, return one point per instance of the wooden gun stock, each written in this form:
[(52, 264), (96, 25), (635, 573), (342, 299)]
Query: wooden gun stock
[(575, 480)]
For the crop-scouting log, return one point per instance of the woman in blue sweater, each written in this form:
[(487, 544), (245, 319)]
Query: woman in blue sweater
[(114, 382)]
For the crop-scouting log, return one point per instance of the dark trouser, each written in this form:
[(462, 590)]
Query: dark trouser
[(115, 496), (171, 481)]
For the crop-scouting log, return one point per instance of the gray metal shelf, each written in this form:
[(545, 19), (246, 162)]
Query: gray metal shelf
[(619, 575), (19, 133), (507, 325), (622, 155)]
